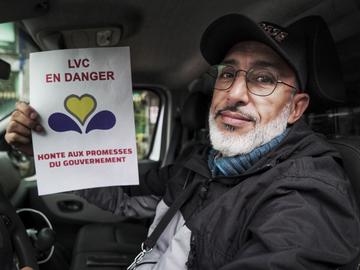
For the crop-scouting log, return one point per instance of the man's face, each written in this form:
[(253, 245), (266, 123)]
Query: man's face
[(242, 118)]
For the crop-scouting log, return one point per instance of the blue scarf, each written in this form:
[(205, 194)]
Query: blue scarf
[(236, 165)]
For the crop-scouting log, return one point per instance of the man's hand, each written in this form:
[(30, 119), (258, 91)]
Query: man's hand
[(22, 121)]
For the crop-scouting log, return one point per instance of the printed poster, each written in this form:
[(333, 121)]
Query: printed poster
[(84, 99)]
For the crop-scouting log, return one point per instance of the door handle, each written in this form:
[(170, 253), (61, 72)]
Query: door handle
[(70, 206)]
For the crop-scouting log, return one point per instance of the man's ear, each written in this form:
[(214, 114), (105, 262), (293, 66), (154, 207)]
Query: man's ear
[(299, 104)]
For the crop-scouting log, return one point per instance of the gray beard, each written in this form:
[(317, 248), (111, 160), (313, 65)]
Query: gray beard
[(232, 144)]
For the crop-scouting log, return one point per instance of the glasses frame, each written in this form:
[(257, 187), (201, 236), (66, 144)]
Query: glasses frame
[(237, 71)]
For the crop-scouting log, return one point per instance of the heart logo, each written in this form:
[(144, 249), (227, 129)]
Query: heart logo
[(80, 107)]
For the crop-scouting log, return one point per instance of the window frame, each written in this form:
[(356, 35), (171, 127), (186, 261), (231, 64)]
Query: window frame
[(160, 129)]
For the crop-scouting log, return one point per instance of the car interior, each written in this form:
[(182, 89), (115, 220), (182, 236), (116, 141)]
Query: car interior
[(171, 95)]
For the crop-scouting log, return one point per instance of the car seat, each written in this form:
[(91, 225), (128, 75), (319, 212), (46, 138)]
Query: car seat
[(327, 91), (349, 148), (190, 126)]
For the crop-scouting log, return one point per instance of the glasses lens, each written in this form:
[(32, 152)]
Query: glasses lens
[(225, 77), (261, 82)]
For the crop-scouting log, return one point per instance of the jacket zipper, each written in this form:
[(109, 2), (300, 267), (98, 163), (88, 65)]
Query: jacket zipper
[(204, 188), (190, 264)]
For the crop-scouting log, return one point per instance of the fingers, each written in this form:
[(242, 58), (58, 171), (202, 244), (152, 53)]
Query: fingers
[(17, 134), (25, 108), (14, 127), (22, 121), (26, 116), (17, 140)]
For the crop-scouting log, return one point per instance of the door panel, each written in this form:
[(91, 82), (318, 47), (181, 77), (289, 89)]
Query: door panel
[(54, 204)]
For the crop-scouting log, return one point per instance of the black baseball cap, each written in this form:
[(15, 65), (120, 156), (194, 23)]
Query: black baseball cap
[(290, 42)]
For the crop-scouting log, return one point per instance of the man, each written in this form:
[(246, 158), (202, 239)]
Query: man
[(269, 193)]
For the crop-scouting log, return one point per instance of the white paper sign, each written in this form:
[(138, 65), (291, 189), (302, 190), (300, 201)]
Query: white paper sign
[(84, 99)]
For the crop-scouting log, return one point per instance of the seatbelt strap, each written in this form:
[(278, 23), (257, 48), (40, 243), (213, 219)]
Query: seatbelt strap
[(175, 141), (150, 242)]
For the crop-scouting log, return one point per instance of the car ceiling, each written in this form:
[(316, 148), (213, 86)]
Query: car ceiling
[(164, 35)]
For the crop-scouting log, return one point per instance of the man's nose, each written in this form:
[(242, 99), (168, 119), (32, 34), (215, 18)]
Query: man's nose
[(238, 92)]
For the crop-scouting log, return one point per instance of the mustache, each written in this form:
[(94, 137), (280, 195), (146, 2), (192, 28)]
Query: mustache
[(237, 109)]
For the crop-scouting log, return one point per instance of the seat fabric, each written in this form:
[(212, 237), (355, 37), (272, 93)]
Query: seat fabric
[(349, 148), (107, 245)]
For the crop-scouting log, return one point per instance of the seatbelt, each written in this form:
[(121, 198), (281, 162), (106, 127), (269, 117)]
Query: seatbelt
[(175, 141), (151, 240)]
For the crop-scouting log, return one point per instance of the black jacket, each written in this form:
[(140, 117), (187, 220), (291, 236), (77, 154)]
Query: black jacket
[(294, 209)]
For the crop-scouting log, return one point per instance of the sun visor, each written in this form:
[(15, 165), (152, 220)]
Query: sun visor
[(4, 70), (15, 10), (325, 79)]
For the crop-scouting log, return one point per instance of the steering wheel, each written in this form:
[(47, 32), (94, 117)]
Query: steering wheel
[(12, 226)]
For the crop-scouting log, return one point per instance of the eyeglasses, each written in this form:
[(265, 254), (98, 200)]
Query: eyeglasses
[(259, 81)]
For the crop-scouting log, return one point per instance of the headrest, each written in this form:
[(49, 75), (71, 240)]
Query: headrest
[(325, 79), (4, 70), (195, 110)]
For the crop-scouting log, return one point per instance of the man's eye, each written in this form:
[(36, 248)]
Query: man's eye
[(262, 77), (226, 75), (265, 79)]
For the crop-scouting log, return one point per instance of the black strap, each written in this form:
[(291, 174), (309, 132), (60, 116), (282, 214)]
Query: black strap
[(175, 141), (150, 242)]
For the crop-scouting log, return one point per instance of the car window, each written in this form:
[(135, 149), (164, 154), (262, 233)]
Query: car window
[(15, 50), (146, 112)]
